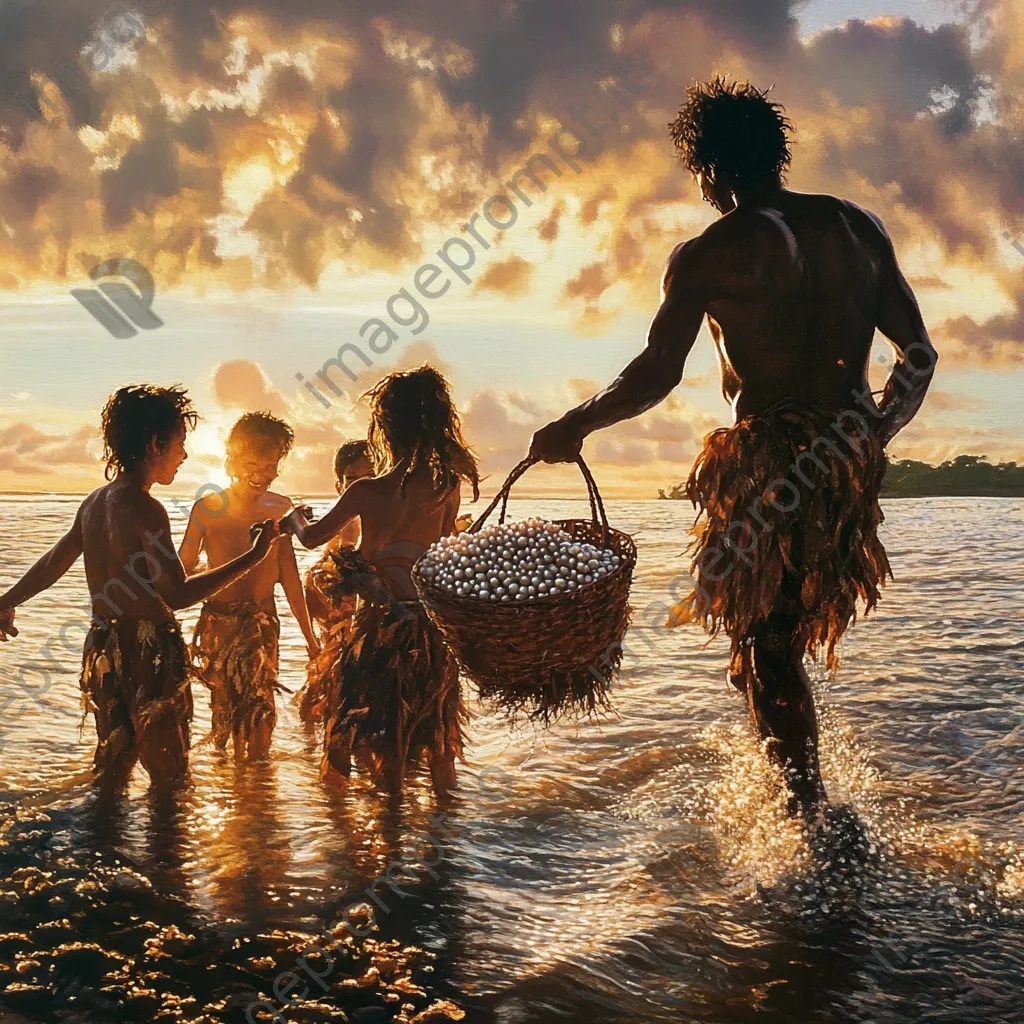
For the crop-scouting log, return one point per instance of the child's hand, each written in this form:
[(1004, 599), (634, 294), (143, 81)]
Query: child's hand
[(313, 648), (299, 516), (7, 627), (263, 536)]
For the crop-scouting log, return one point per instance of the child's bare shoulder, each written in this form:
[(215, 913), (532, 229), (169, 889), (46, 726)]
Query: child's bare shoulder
[(275, 504), (210, 506), (96, 497), (367, 488)]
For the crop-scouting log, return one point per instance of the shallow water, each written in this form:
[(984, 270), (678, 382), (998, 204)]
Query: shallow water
[(636, 869)]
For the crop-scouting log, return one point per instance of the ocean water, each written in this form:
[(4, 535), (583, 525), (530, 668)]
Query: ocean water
[(635, 869)]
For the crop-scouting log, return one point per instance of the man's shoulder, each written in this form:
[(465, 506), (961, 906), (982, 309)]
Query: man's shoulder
[(861, 219), (859, 216)]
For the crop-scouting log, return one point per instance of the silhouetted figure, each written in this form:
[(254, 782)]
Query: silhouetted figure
[(793, 286)]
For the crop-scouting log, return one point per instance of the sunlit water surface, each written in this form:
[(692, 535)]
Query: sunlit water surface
[(636, 869)]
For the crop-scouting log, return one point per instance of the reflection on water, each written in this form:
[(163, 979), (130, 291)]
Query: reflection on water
[(636, 869)]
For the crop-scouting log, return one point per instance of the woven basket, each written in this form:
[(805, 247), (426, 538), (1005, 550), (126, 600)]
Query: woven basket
[(548, 657)]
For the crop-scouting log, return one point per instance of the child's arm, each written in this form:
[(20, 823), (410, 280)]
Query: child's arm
[(50, 568), (179, 591), (451, 514), (192, 543), (291, 582), (347, 507)]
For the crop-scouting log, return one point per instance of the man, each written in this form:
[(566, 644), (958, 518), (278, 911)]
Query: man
[(135, 665), (793, 286)]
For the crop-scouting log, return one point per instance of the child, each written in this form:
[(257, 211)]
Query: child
[(235, 644), (330, 588), (135, 664), (394, 691)]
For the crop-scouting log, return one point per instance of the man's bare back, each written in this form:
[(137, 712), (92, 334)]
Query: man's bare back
[(794, 290)]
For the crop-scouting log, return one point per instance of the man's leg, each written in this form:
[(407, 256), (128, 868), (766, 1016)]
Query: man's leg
[(782, 711)]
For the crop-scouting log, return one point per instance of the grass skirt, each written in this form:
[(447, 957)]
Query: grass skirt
[(394, 690), (332, 591), (235, 655), (135, 681), (787, 528)]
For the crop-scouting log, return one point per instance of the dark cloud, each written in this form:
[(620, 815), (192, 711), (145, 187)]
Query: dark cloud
[(394, 119), (896, 64), (998, 340)]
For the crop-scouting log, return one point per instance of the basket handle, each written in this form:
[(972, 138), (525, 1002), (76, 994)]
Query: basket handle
[(596, 504)]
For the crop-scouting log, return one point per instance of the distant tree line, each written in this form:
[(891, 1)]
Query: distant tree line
[(968, 476)]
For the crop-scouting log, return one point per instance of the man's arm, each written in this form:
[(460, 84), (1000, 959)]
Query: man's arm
[(900, 320), (346, 508), (291, 583), (192, 543), (651, 376), (170, 581), (50, 568)]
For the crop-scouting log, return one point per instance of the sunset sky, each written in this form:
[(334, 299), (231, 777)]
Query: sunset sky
[(284, 167)]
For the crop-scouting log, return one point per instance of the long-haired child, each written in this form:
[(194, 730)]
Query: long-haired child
[(394, 696)]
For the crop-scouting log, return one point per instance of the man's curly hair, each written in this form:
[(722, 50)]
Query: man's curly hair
[(261, 431), (137, 414), (733, 134)]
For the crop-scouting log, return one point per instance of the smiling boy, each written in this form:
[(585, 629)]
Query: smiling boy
[(235, 644)]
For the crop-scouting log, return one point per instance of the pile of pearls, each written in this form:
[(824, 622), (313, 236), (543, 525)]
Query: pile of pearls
[(525, 561)]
